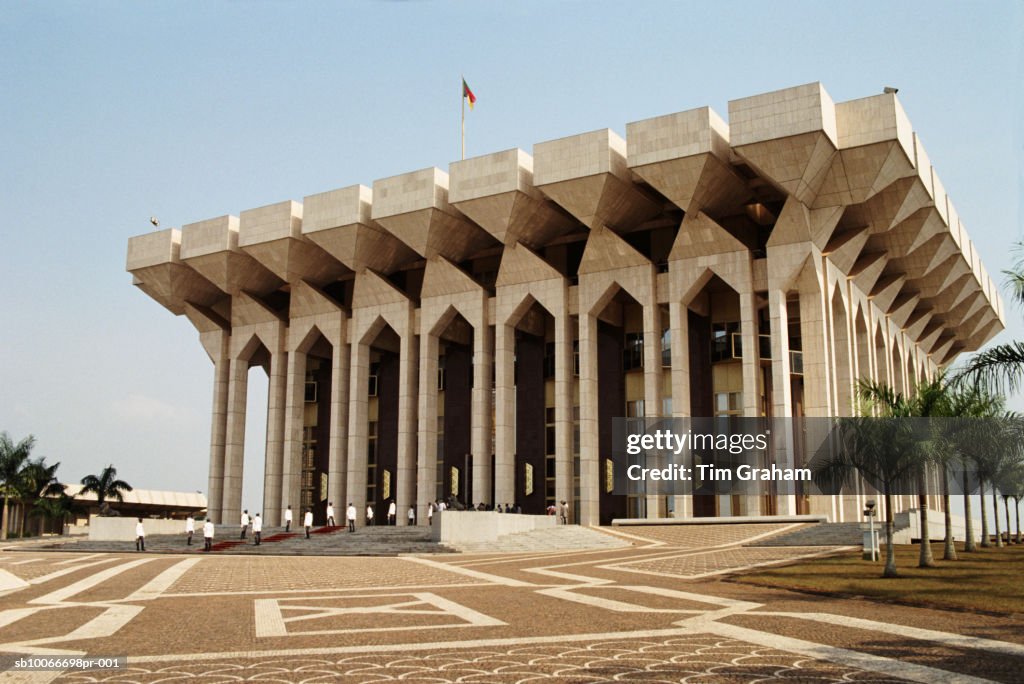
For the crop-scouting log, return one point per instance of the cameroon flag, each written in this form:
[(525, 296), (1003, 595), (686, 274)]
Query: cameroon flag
[(467, 93)]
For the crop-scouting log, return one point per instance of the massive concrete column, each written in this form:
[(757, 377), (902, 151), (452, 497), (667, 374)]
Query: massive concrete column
[(480, 435), (337, 456), (504, 413), (234, 451), (218, 431), (272, 483), (358, 407), (652, 378), (426, 473), (291, 493), (590, 458), (563, 408), (679, 322), (782, 395), (405, 495)]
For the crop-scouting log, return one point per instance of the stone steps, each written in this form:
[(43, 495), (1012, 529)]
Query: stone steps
[(553, 539), (820, 534)]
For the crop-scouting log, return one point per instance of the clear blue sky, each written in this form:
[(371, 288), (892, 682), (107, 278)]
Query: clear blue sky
[(112, 112)]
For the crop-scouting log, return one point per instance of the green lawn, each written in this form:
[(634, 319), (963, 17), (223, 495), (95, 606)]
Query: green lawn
[(990, 580)]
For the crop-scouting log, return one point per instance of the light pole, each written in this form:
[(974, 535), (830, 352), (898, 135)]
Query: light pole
[(872, 539)]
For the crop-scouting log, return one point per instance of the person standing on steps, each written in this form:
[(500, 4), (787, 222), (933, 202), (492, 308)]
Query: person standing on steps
[(412, 515), (245, 523), (190, 528), (369, 515), (140, 537), (208, 535), (330, 513), (351, 515), (307, 521), (563, 512), (257, 528), (392, 513), (288, 519)]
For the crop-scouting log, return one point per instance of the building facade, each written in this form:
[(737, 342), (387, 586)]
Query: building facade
[(473, 333)]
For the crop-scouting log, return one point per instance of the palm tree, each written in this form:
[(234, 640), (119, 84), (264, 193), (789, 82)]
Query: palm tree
[(13, 458), (1003, 365), (929, 401), (38, 480), (105, 486), (881, 450), (54, 508)]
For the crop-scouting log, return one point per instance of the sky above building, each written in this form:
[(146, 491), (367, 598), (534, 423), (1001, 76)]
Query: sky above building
[(113, 112)]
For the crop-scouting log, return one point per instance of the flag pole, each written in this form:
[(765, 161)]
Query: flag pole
[(462, 92)]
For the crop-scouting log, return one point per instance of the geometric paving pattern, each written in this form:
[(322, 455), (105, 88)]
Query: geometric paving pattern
[(653, 612)]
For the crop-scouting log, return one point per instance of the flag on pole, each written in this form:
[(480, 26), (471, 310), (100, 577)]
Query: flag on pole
[(467, 93)]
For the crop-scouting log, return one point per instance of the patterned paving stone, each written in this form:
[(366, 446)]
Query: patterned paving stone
[(703, 536), (699, 658), (693, 565)]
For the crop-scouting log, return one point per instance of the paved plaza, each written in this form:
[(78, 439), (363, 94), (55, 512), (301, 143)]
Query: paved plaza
[(658, 610)]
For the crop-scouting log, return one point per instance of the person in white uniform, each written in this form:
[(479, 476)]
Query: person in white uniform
[(307, 521), (392, 513), (140, 537), (257, 528), (330, 513), (190, 528), (412, 515), (369, 515), (208, 534), (351, 515), (288, 519), (245, 523)]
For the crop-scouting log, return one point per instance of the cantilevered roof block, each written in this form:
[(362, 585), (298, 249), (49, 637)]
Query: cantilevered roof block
[(154, 260), (273, 236), (685, 156), (789, 136), (876, 148), (339, 221), (496, 191), (211, 248), (587, 175), (414, 208)]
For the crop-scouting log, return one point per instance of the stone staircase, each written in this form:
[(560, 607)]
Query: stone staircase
[(552, 539), (820, 534)]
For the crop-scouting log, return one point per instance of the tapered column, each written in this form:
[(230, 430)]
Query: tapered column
[(504, 413), (234, 451), (749, 504), (563, 409), (590, 458), (337, 456), (218, 432), (679, 322), (782, 393), (273, 467), (652, 379), (358, 407), (817, 378), (291, 494), (408, 365), (480, 435), (426, 472)]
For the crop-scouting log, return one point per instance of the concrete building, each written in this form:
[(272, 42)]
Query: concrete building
[(474, 332)]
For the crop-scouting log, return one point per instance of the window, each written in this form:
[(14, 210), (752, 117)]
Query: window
[(440, 374), (633, 352), (374, 370), (549, 360), (726, 344), (310, 392), (576, 358), (666, 406), (666, 348), (728, 403), (635, 409)]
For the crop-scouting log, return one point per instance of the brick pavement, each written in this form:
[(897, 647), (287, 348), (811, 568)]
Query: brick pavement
[(648, 612)]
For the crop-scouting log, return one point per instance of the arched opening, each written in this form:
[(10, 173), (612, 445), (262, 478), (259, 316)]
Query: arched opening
[(863, 349), (382, 422), (881, 358), (316, 354), (257, 393), (454, 409), (898, 379)]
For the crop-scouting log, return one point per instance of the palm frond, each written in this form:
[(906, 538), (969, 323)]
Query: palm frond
[(996, 368)]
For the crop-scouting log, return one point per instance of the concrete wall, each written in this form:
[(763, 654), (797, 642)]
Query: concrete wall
[(123, 529), (455, 527)]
